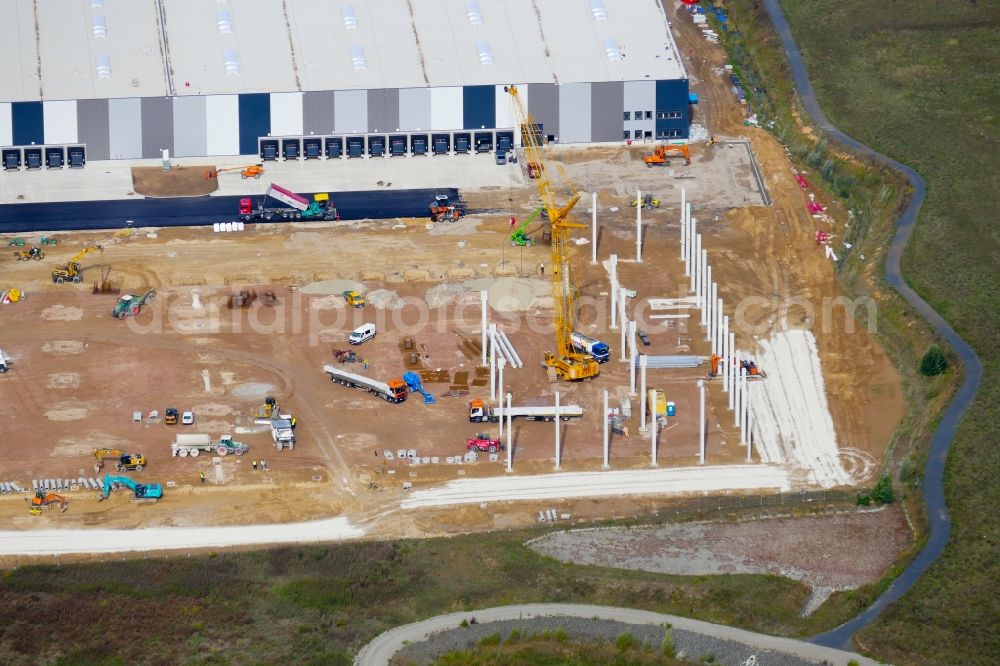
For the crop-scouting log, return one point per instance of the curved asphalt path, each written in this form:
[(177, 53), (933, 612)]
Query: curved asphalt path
[(937, 510), (382, 647), (194, 211)]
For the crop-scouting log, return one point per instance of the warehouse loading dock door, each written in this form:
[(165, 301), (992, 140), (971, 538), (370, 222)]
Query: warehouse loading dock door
[(269, 150), (505, 142), (484, 142), (418, 144), (334, 147), (441, 144), (463, 143), (77, 157), (312, 149), (54, 158), (11, 160), (376, 146), (291, 149), (397, 145), (355, 146), (33, 158)]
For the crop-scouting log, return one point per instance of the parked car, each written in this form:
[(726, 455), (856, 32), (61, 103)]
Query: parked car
[(187, 418), (643, 337)]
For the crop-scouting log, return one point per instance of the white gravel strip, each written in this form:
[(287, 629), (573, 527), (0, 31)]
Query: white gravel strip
[(55, 542), (672, 481)]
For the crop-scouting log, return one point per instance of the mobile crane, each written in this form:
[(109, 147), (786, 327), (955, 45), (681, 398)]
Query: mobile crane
[(72, 270), (568, 364)]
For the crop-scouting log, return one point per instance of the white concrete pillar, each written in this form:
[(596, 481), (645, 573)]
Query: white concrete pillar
[(558, 452), (642, 392), (493, 362), (738, 389), (701, 422), (593, 227), (724, 352), (654, 425), (713, 313), (638, 226), (749, 433), (484, 298), (717, 321), (692, 232), (684, 230), (730, 354), (745, 417), (695, 265), (614, 290), (624, 321), (633, 352), (704, 284), (510, 439), (706, 302), (501, 361), (607, 429), (743, 404)]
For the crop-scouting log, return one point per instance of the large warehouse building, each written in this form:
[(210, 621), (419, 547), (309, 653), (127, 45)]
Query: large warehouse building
[(126, 79)]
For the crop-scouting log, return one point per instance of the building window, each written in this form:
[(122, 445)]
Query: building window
[(669, 115), (625, 134), (638, 134), (649, 115), (649, 134), (661, 115), (661, 134), (628, 115), (638, 115)]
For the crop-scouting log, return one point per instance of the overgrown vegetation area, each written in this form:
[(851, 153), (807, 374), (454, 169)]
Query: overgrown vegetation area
[(320, 604), (917, 81)]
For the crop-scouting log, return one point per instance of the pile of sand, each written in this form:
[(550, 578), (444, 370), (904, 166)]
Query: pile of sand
[(338, 287), (443, 294), (384, 299), (511, 294)]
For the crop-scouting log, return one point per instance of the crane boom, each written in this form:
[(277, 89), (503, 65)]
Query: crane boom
[(569, 364)]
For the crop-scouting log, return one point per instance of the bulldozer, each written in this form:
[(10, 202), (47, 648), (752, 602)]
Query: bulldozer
[(129, 305), (661, 154), (44, 499), (72, 270), (34, 252), (127, 462), (252, 171)]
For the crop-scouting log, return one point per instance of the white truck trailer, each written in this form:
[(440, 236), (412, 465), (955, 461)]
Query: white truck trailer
[(480, 411), (395, 390)]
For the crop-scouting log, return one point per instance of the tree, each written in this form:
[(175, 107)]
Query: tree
[(934, 362), (882, 492)]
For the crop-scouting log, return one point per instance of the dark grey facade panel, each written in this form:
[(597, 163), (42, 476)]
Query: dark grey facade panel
[(607, 103), (317, 112), (383, 109), (157, 126), (92, 128), (543, 105), (190, 127)]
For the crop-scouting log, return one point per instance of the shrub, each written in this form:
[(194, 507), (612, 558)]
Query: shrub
[(624, 642), (882, 492), (492, 639), (667, 646), (934, 362)]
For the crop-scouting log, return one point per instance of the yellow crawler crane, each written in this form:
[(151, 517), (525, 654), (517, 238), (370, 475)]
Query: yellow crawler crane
[(568, 364)]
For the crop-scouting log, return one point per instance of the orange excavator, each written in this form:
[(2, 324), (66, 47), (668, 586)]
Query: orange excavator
[(753, 371), (661, 154), (252, 171), (43, 499)]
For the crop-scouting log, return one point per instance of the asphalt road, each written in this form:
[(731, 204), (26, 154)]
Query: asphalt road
[(193, 211), (380, 650), (937, 510)]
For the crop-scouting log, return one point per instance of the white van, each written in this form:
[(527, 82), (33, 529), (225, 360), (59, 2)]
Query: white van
[(361, 334)]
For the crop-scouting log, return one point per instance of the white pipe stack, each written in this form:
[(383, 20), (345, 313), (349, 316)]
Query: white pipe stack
[(607, 428)]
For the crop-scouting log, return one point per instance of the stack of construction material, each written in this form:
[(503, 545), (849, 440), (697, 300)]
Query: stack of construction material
[(668, 362)]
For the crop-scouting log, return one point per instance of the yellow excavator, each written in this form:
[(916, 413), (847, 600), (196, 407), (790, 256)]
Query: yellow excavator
[(124, 462), (568, 364), (72, 270), (252, 171)]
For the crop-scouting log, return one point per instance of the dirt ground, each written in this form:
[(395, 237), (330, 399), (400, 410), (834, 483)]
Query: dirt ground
[(77, 375), (180, 181)]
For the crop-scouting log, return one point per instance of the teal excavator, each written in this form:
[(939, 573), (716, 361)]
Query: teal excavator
[(140, 491)]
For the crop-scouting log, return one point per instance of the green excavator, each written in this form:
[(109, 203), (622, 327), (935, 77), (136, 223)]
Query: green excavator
[(521, 239)]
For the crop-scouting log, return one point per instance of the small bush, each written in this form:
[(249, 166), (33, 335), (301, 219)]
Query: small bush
[(667, 646), (463, 623), (561, 636), (515, 636), (864, 499), (492, 639), (934, 362), (882, 492), (624, 642)]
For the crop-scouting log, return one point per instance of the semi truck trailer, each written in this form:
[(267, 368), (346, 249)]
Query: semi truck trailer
[(394, 390)]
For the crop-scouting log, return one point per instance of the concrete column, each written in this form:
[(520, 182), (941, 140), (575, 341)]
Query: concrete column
[(713, 313), (749, 432), (493, 361), (501, 361), (695, 258), (684, 231), (701, 422), (717, 320), (738, 389), (730, 354), (510, 439), (704, 284), (724, 353), (614, 290), (607, 428), (706, 302), (621, 317), (624, 334), (633, 352), (745, 403), (638, 226), (642, 393), (484, 299), (653, 427), (692, 232), (558, 452), (593, 227)]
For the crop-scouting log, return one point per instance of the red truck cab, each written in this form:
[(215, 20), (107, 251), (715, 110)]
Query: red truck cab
[(246, 206)]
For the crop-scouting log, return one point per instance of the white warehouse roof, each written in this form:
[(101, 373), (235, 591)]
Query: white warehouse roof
[(325, 45)]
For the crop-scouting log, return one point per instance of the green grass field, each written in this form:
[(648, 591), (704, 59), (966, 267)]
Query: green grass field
[(918, 81)]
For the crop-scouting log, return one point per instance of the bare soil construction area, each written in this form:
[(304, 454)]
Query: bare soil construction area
[(77, 374)]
